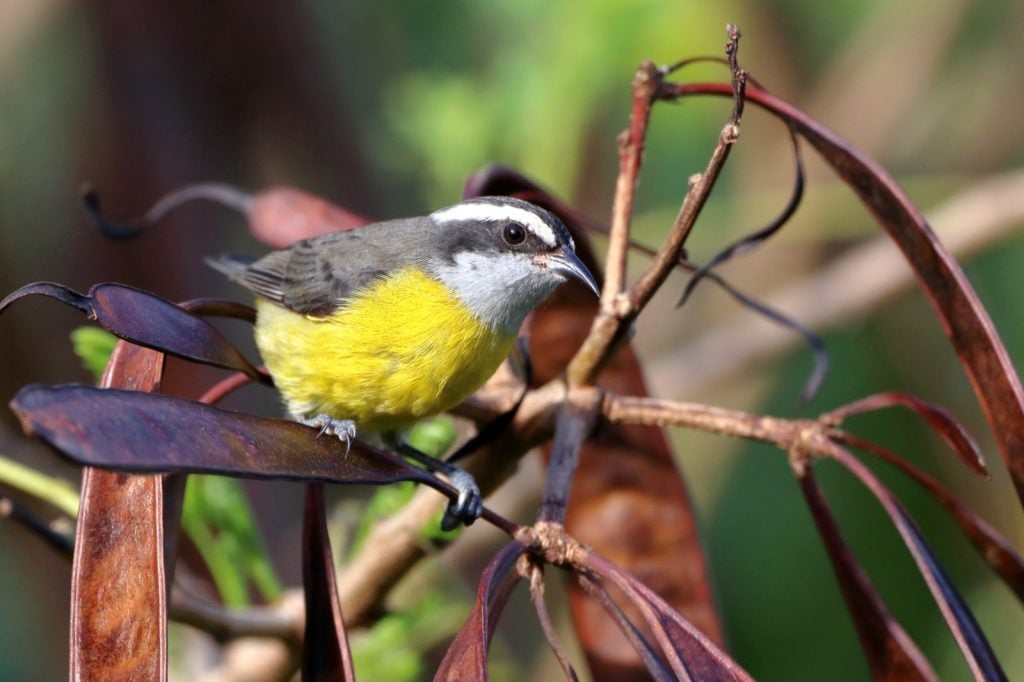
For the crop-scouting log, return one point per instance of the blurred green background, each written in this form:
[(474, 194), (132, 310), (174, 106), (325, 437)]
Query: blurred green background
[(385, 107)]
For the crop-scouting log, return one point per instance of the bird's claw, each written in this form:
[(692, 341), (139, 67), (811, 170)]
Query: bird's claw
[(467, 507), (344, 429)]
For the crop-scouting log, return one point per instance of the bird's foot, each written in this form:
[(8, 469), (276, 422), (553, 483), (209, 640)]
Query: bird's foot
[(468, 506), (344, 429)]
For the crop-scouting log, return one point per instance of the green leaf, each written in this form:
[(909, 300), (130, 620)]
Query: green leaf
[(218, 519), (433, 436), (393, 649), (93, 347), (384, 502)]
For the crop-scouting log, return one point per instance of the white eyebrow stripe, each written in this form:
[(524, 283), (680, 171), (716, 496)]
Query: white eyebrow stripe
[(494, 213)]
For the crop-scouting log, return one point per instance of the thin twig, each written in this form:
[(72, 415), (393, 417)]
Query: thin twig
[(224, 387), (814, 342), (646, 84), (537, 596), (700, 189), (62, 542), (656, 412), (227, 195), (609, 326), (283, 622), (752, 241), (739, 76)]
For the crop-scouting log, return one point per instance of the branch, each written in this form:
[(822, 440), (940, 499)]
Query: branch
[(60, 539), (803, 437), (284, 621), (536, 576), (617, 314), (700, 188), (576, 420), (646, 83)]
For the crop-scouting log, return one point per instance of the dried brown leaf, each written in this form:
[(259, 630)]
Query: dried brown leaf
[(965, 321), (118, 586), (891, 653), (325, 652), (466, 658)]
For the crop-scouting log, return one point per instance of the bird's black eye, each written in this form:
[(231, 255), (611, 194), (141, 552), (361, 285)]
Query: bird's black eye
[(514, 234)]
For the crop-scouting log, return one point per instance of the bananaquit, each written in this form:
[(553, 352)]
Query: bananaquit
[(395, 321)]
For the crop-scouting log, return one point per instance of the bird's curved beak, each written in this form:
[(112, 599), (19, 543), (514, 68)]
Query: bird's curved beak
[(567, 263)]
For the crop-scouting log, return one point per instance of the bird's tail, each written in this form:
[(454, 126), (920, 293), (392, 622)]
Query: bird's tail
[(232, 265)]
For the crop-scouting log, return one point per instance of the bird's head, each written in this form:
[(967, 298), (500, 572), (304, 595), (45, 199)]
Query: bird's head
[(502, 256)]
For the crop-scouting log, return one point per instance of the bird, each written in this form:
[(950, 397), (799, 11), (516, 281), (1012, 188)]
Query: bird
[(376, 328)]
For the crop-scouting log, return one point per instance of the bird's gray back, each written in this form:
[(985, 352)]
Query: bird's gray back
[(316, 275)]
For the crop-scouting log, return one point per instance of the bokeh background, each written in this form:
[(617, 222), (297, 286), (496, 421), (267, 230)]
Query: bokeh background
[(385, 107)]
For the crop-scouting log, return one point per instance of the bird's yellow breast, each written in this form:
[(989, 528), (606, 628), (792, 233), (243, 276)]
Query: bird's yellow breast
[(402, 349)]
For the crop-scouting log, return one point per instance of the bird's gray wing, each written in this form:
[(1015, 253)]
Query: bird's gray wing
[(314, 276)]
